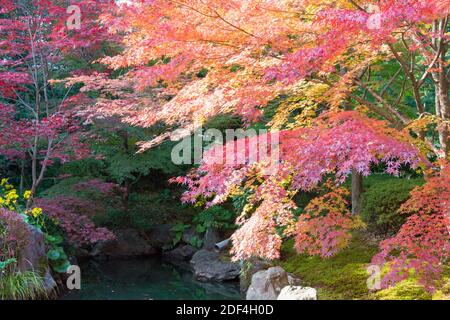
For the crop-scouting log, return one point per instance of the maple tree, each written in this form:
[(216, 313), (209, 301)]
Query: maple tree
[(74, 213), (195, 59), (186, 61), (324, 227), (39, 124), (306, 157), (330, 44)]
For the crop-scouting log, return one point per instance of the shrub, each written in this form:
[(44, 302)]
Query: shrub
[(381, 202), (145, 210), (14, 234), (324, 227), (93, 189), (88, 167), (215, 217), (71, 214)]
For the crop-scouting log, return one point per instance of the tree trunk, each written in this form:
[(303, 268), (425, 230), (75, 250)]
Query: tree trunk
[(357, 189), (441, 82), (357, 185), (126, 195), (127, 182), (22, 177)]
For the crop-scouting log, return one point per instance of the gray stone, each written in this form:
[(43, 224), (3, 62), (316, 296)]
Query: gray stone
[(293, 280), (82, 253), (297, 293), (182, 253), (252, 266), (128, 243), (267, 284), (161, 236), (208, 267), (211, 238), (33, 257)]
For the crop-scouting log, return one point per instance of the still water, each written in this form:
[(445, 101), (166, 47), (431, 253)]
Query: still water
[(146, 279)]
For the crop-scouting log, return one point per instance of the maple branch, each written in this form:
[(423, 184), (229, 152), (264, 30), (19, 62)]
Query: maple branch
[(65, 97), (234, 26), (220, 43), (45, 161), (216, 15), (411, 76), (427, 71), (374, 108), (357, 5), (382, 101), (29, 107), (402, 92), (390, 82)]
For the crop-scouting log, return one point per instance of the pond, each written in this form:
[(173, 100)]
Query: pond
[(146, 279)]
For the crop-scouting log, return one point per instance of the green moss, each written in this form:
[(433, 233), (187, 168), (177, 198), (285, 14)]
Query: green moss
[(343, 276), (406, 290), (443, 291), (411, 289)]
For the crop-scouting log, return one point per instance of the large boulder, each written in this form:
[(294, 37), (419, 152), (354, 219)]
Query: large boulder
[(161, 236), (182, 253), (128, 243), (267, 284), (33, 257), (210, 239), (293, 280), (208, 266), (252, 266), (297, 293)]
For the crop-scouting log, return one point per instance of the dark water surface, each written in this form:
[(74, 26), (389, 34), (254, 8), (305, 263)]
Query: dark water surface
[(146, 279)]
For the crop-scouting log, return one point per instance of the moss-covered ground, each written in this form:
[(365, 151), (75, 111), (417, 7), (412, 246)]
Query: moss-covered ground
[(344, 276)]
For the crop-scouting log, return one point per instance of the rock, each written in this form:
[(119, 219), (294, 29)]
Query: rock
[(33, 257), (267, 284), (211, 238), (128, 243), (208, 267), (251, 267), (297, 293), (49, 284), (293, 280), (182, 253), (82, 253), (161, 236)]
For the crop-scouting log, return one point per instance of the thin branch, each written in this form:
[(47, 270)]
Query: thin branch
[(357, 5), (383, 101), (390, 82), (411, 76)]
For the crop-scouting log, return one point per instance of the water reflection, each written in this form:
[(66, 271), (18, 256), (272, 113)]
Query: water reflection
[(145, 279)]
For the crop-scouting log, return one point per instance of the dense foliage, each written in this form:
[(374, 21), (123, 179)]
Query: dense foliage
[(422, 244), (381, 202), (345, 90)]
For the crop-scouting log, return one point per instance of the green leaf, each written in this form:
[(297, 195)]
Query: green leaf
[(61, 267), (200, 228), (56, 239), (4, 264), (54, 254)]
